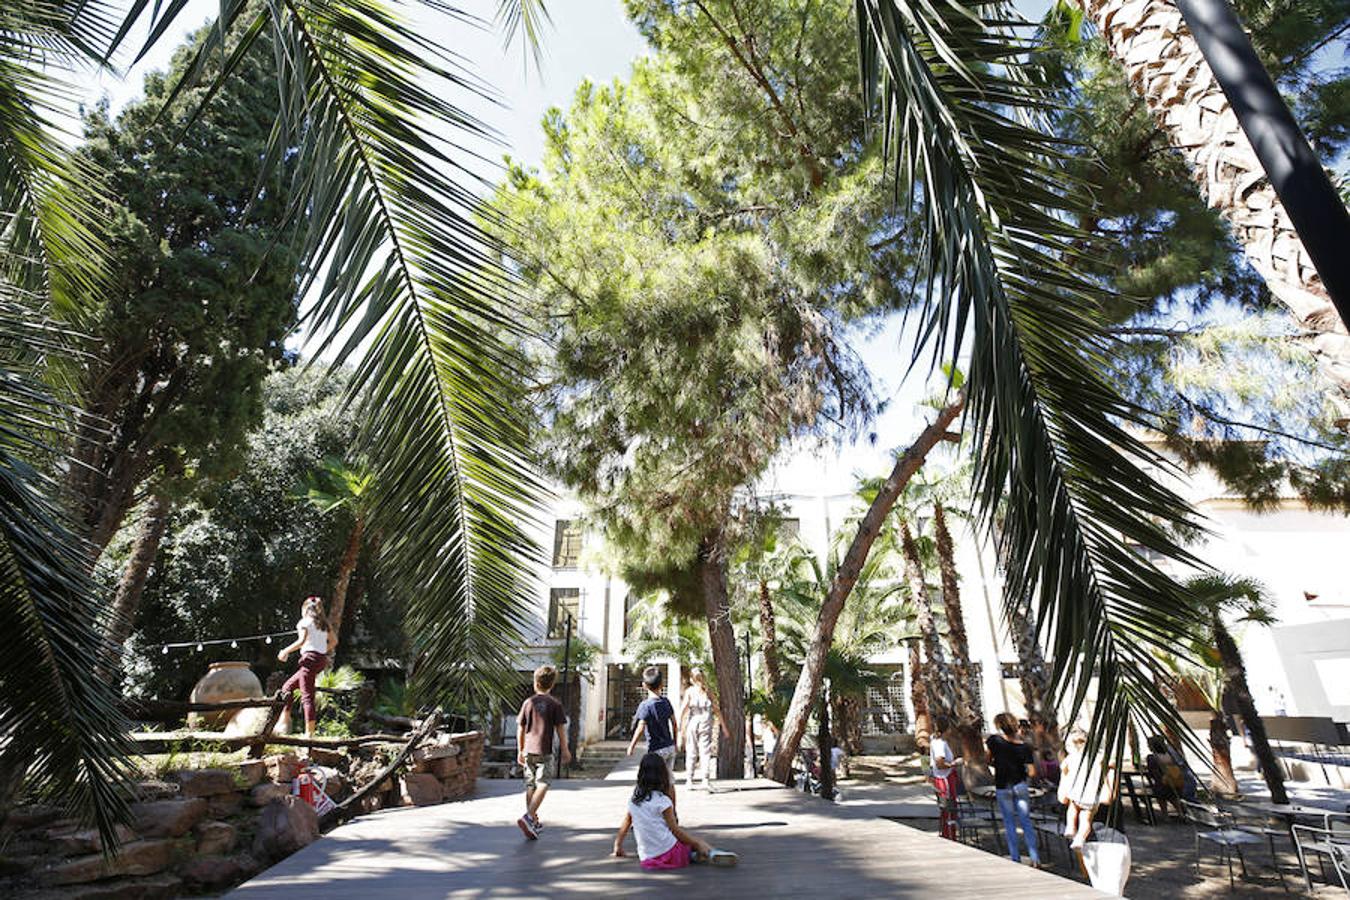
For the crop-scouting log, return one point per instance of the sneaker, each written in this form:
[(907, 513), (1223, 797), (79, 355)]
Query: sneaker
[(722, 858), (538, 825), (527, 827)]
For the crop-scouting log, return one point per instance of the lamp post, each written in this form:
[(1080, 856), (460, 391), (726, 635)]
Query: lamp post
[(567, 684)]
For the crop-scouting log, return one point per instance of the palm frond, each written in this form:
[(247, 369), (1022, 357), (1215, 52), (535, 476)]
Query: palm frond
[(59, 726), (57, 721), (418, 291), (961, 124)]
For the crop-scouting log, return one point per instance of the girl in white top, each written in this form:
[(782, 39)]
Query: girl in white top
[(314, 643), (661, 842), (696, 716)]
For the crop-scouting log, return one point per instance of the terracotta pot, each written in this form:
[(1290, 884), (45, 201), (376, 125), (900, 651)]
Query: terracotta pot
[(223, 681)]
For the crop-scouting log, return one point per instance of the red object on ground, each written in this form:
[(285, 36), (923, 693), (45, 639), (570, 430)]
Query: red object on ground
[(946, 796)]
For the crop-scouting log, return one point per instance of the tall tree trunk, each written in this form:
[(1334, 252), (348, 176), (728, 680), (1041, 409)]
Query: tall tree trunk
[(969, 717), (846, 576), (1223, 780), (937, 676), (1235, 685), (1032, 671), (346, 567), (1164, 63), (918, 698), (773, 675), (847, 713), (824, 744), (131, 584), (726, 660), (967, 707)]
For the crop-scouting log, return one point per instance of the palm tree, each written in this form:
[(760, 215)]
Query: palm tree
[(1165, 64), (939, 686), (398, 266), (1032, 671), (877, 617), (1218, 596), (338, 485), (1200, 672)]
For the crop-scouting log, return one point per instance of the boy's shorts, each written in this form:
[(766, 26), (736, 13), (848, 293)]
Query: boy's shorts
[(538, 769), (668, 754)]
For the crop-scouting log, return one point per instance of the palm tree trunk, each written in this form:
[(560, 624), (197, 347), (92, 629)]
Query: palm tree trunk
[(131, 584), (1163, 62), (726, 660), (1235, 685), (847, 714), (937, 676), (846, 575), (1224, 781), (772, 673), (969, 717), (967, 707), (346, 567), (918, 698), (1033, 673)]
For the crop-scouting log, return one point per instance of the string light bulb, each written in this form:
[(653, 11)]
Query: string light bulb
[(269, 639), (199, 648), (234, 645), (165, 650)]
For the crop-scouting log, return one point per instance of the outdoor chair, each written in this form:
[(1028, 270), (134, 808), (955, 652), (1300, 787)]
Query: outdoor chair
[(970, 821), (1219, 828), (1260, 825), (1330, 842)]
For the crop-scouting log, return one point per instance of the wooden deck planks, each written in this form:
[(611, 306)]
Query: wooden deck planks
[(790, 845)]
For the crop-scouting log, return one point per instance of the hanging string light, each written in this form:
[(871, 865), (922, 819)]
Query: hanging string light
[(234, 642)]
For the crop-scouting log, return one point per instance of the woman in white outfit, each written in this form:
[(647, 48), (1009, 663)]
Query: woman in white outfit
[(697, 713)]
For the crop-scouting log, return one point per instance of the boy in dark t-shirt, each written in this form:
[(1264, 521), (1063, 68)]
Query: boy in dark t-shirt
[(541, 718), (656, 717)]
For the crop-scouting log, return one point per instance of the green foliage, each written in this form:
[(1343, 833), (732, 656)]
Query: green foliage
[(582, 657), (1201, 347), (201, 291), (697, 239), (239, 558)]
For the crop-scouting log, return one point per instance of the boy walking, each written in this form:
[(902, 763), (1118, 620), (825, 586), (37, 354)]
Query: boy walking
[(541, 718), (656, 718)]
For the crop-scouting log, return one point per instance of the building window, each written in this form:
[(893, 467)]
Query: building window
[(566, 544), (884, 712), (630, 600), (563, 602)]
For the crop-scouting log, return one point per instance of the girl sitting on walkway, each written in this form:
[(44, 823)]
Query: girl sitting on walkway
[(661, 842)]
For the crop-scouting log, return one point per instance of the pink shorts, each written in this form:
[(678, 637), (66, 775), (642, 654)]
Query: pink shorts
[(676, 857)]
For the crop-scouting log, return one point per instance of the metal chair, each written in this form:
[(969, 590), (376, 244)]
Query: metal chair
[(1219, 828), (1330, 842), (1259, 824)]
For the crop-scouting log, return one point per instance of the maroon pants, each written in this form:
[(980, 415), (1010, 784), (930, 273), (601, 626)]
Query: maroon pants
[(311, 664)]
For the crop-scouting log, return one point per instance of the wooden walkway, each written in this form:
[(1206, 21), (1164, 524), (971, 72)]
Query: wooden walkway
[(790, 845)]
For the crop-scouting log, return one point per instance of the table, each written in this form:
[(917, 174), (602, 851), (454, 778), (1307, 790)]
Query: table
[(1292, 811)]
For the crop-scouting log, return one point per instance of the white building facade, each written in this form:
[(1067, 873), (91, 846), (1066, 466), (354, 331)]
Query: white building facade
[(1300, 666)]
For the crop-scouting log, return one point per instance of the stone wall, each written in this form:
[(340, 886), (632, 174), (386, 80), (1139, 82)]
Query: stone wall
[(202, 830)]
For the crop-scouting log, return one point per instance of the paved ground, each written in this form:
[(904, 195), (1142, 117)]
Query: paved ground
[(791, 845)]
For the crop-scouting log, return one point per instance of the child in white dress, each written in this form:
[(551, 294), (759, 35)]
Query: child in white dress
[(1082, 788)]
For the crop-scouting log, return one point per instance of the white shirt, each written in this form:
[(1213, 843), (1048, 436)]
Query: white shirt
[(939, 749), (836, 757), (654, 836), (316, 639)]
